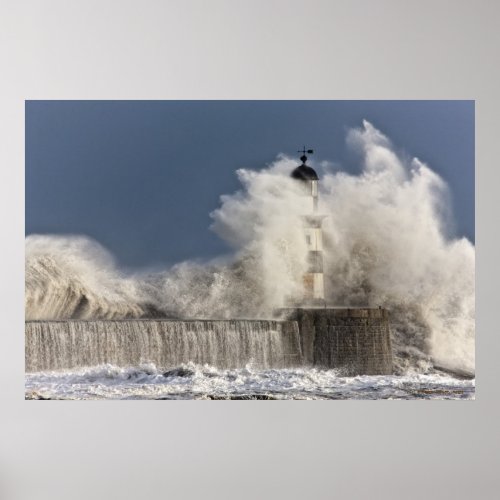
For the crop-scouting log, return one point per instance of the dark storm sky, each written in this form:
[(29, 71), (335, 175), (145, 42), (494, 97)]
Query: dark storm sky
[(141, 177)]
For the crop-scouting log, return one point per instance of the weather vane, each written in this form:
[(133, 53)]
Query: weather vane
[(304, 151)]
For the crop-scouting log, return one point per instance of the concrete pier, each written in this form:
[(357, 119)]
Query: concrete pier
[(356, 340)]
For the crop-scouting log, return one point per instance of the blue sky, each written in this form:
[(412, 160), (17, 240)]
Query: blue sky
[(141, 177)]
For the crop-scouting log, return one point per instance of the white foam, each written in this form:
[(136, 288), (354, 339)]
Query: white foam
[(196, 381)]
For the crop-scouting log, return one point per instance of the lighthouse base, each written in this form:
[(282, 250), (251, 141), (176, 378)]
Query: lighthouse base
[(355, 340)]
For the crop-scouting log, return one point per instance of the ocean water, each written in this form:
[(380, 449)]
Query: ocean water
[(191, 381)]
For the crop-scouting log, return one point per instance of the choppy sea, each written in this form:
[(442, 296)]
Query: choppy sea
[(190, 381)]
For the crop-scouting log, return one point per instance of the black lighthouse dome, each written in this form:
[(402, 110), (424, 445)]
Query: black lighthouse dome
[(304, 172)]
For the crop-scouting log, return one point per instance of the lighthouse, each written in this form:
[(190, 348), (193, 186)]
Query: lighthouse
[(313, 280)]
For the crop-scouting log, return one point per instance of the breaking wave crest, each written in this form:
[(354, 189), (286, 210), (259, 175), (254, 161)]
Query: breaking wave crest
[(387, 244)]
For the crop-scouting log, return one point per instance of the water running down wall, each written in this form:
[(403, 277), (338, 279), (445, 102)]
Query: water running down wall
[(357, 341), (55, 345)]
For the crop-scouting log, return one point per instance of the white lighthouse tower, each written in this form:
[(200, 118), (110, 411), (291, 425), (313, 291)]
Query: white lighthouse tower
[(313, 280)]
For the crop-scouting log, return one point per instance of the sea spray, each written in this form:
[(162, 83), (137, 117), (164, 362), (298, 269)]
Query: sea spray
[(387, 242), (75, 277)]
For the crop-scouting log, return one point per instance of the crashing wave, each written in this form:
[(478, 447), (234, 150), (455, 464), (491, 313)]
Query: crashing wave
[(387, 243)]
